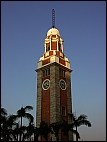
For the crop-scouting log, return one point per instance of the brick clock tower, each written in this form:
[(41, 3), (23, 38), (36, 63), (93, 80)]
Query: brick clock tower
[(53, 83)]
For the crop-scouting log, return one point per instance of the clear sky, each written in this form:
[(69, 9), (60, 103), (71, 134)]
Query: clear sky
[(82, 26)]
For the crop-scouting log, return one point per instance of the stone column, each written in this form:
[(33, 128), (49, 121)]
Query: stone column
[(39, 94), (54, 94), (50, 43), (69, 100)]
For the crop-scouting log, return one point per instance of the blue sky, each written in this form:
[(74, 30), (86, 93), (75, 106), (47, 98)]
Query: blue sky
[(82, 26)]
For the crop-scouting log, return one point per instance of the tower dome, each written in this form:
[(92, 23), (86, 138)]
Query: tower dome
[(53, 31)]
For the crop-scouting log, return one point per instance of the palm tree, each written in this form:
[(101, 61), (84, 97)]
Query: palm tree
[(7, 132), (44, 130), (3, 117), (3, 112), (78, 121), (55, 127), (3, 120), (29, 131), (65, 128), (22, 113), (23, 132), (36, 133), (7, 124), (10, 130), (17, 131)]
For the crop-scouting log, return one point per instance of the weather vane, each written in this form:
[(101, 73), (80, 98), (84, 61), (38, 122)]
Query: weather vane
[(53, 18)]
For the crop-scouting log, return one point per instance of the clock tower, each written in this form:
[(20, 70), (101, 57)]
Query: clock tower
[(53, 83)]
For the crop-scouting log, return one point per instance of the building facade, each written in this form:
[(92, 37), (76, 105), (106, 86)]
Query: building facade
[(54, 100)]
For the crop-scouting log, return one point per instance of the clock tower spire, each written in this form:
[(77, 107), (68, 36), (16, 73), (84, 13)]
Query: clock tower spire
[(54, 100), (53, 18)]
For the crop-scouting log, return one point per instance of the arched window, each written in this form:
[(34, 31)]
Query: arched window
[(62, 72), (46, 72), (47, 48), (59, 47)]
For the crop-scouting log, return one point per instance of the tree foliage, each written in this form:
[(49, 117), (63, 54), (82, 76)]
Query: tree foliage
[(13, 130)]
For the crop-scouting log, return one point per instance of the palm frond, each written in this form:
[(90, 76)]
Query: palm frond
[(84, 122), (21, 112), (28, 108), (82, 116), (29, 116), (3, 111), (11, 120), (72, 125)]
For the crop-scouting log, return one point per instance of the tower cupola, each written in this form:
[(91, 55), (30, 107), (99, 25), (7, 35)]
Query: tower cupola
[(53, 47), (53, 41), (53, 31)]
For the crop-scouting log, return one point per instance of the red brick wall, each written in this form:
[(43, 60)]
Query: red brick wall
[(46, 61), (45, 110), (58, 53), (61, 61), (63, 102), (53, 36), (54, 46), (50, 53)]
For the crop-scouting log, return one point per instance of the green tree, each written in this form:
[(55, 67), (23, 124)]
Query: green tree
[(3, 121), (65, 128), (55, 127), (7, 125), (44, 130), (36, 133), (3, 116), (17, 130), (78, 121), (3, 112), (22, 113), (29, 131)]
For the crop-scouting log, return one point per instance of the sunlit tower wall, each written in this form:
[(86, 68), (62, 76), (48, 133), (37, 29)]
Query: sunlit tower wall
[(54, 101)]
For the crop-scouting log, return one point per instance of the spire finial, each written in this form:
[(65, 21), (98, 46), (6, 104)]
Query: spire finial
[(53, 18)]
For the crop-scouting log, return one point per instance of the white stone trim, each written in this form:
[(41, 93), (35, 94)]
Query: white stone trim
[(61, 54), (47, 53), (54, 59), (39, 64), (50, 43)]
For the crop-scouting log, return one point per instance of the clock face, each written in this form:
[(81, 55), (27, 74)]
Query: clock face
[(46, 84), (62, 84)]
